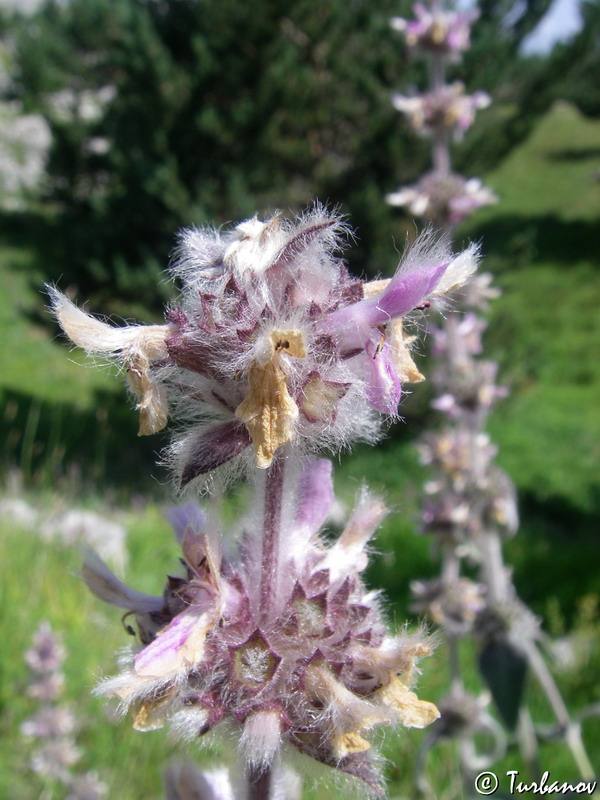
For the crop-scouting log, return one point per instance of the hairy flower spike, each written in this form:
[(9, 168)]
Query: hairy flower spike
[(443, 199), (272, 342), (448, 109), (317, 673)]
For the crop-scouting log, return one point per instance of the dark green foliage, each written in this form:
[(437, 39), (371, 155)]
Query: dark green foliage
[(220, 109), (504, 669), (578, 63), (224, 108), (494, 60)]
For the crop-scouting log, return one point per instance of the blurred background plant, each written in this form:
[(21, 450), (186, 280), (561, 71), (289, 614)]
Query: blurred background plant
[(53, 727), (141, 117), (469, 504)]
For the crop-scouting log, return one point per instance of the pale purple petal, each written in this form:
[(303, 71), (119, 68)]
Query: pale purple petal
[(179, 645), (315, 494), (105, 585), (383, 384), (407, 289), (214, 447), (186, 516)]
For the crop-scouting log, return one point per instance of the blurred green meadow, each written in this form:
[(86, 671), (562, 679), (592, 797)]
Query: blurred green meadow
[(69, 439)]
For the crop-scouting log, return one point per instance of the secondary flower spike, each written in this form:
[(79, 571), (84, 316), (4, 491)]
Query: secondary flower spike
[(272, 341), (313, 671)]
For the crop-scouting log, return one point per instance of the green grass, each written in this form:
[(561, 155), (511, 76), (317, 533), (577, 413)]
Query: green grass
[(541, 243), (552, 172), (62, 418), (42, 586), (35, 360)]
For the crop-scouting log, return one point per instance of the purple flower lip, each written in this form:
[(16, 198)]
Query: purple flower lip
[(351, 325)]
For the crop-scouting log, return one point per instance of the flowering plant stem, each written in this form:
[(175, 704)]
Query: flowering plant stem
[(271, 543), (572, 729), (475, 500)]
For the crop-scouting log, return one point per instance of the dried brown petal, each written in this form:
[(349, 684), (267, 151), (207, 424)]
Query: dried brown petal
[(349, 743), (269, 410), (408, 371), (149, 715), (152, 405), (320, 399), (413, 713)]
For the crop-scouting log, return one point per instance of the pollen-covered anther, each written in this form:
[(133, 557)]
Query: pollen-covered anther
[(269, 411), (412, 712)]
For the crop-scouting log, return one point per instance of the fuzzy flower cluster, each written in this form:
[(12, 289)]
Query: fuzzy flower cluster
[(469, 493), (298, 663), (437, 30), (272, 342), (447, 108), (445, 111), (53, 727), (443, 199), (454, 605)]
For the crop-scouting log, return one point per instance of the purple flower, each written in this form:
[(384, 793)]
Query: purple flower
[(50, 722), (46, 655), (445, 32), (455, 604), (447, 108), (272, 342), (443, 199)]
